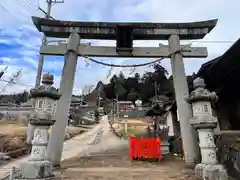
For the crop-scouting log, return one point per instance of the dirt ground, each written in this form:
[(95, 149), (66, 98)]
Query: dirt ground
[(116, 166), (113, 164)]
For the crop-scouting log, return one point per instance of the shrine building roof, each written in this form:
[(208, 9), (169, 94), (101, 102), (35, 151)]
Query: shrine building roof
[(223, 71)]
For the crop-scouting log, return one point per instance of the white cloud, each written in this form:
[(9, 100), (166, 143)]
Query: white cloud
[(31, 61), (16, 28)]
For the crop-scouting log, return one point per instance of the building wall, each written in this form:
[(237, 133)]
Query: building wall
[(170, 124), (173, 123)]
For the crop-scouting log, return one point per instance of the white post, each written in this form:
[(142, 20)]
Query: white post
[(126, 123), (117, 112), (54, 151), (205, 123), (12, 173), (190, 146)]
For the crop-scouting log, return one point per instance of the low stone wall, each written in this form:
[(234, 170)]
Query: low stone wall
[(15, 113), (114, 130), (228, 151), (230, 158)]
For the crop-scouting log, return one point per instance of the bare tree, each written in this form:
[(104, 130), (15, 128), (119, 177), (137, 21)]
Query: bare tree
[(90, 88), (12, 80), (85, 90), (3, 72)]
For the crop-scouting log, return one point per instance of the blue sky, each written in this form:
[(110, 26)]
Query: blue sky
[(20, 41)]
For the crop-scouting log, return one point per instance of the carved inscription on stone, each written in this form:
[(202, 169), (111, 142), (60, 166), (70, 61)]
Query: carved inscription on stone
[(206, 108), (50, 106), (39, 135), (197, 109), (40, 104), (36, 151), (209, 138), (212, 155)]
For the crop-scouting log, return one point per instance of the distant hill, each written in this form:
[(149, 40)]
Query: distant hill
[(20, 98), (17, 98), (91, 97)]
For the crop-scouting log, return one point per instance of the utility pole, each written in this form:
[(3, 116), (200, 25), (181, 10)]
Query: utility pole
[(41, 60), (98, 97), (155, 90), (44, 40), (117, 107)]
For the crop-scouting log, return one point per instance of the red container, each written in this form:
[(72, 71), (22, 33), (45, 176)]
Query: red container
[(148, 148)]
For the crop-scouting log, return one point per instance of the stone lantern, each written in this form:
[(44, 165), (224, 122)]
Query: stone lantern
[(37, 166), (205, 123), (138, 104), (160, 129)]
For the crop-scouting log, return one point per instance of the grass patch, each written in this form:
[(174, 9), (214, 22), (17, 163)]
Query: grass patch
[(133, 132)]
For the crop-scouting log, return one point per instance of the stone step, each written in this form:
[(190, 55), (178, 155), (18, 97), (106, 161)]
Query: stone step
[(114, 169)]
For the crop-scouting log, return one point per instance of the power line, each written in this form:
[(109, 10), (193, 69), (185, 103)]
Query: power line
[(8, 12), (30, 3), (15, 83), (27, 6), (214, 42)]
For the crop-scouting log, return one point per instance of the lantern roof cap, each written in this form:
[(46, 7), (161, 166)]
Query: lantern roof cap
[(46, 89), (198, 83), (48, 78), (200, 93)]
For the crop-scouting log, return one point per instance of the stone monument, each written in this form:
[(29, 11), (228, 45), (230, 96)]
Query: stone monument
[(205, 123), (38, 167), (160, 108)]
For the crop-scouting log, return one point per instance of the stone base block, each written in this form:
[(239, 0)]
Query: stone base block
[(211, 172), (190, 161), (35, 170), (165, 147)]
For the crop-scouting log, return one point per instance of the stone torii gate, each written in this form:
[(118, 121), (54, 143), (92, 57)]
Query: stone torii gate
[(124, 34)]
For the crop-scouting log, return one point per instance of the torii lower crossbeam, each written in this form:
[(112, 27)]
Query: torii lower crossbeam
[(138, 52)]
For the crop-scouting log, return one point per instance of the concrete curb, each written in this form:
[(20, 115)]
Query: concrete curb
[(93, 135)]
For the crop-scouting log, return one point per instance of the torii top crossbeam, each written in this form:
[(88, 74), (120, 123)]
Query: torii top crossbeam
[(138, 31)]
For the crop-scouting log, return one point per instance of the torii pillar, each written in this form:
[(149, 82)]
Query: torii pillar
[(54, 151), (191, 149)]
